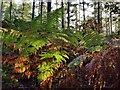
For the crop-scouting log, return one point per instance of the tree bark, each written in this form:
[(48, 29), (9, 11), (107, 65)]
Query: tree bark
[(76, 13), (68, 18), (48, 10), (98, 12), (62, 14), (83, 10), (10, 9), (33, 10), (118, 24), (99, 17), (41, 10), (23, 10), (95, 12), (1, 12), (79, 14), (110, 22), (49, 6), (40, 7)]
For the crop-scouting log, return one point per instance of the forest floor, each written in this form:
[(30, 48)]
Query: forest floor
[(102, 71), (99, 70)]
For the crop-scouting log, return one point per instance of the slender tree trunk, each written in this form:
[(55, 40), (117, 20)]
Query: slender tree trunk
[(76, 13), (79, 13), (95, 11), (48, 10), (99, 17), (68, 12), (107, 27), (0, 44), (110, 22), (57, 21), (33, 10), (118, 24), (41, 10), (83, 10), (98, 12), (62, 14), (10, 9), (23, 10), (84, 30), (1, 8), (49, 6), (41, 7), (1, 12)]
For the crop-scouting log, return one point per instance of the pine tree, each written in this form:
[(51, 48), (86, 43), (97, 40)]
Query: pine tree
[(62, 5), (33, 10), (68, 12), (10, 9)]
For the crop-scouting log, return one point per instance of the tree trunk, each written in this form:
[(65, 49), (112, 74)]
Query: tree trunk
[(49, 6), (48, 10), (1, 41), (10, 9), (40, 5), (23, 10), (79, 14), (1, 13), (41, 10), (98, 12), (68, 11), (62, 14), (33, 10), (76, 13), (107, 26), (110, 22), (83, 10), (118, 24), (99, 17), (83, 2), (95, 12)]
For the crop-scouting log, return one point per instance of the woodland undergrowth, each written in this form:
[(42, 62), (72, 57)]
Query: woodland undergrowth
[(35, 53)]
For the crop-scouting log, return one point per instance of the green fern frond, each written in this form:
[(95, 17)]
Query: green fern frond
[(39, 43), (46, 55)]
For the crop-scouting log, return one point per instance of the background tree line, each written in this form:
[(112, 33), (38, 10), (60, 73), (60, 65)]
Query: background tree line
[(105, 15)]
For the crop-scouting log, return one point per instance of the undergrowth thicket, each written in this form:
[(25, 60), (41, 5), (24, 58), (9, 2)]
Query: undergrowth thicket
[(37, 49)]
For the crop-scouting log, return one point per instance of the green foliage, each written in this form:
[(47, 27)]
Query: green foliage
[(33, 39), (42, 37), (46, 69), (71, 37), (93, 41)]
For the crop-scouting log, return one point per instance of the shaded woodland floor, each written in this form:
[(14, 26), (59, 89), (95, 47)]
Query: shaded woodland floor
[(101, 70)]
